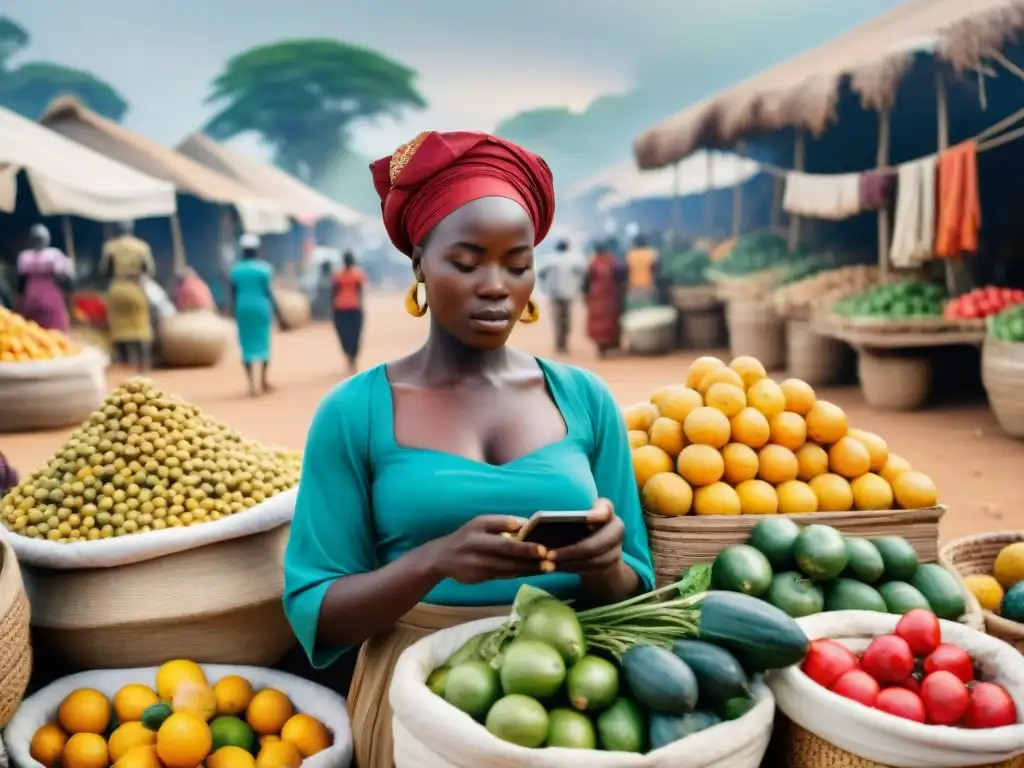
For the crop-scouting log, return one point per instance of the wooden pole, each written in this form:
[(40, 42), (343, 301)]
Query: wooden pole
[(709, 199), (882, 160), (778, 188), (737, 201), (177, 246), (942, 139), (69, 239), (798, 165), (676, 202)]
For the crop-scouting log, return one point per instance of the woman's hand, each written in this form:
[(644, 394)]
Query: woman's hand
[(601, 550), (484, 549)]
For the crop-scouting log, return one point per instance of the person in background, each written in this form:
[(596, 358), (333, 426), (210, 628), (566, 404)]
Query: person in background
[(127, 260), (322, 307), (254, 309), (562, 280), (193, 294), (45, 274), (642, 266), (604, 288), (349, 282)]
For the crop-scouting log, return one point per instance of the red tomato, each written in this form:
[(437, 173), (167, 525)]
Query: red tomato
[(827, 661), (950, 658), (945, 698), (859, 686), (902, 703), (920, 628), (888, 659), (913, 683), (1018, 295), (989, 707)]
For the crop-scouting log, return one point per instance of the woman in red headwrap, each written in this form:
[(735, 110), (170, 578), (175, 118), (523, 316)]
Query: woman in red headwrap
[(415, 469)]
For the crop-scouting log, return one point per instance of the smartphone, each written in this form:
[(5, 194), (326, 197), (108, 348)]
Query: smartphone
[(555, 530)]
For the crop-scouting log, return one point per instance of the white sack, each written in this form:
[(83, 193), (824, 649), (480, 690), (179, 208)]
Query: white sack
[(309, 698), (430, 733), (90, 361), (887, 739)]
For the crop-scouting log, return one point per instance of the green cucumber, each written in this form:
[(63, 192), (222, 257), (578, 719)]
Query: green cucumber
[(668, 729), (759, 635), (774, 537), (863, 561), (853, 595), (901, 597), (741, 568), (796, 594), (736, 708), (898, 557), (820, 552), (720, 676), (154, 715), (941, 589), (660, 680)]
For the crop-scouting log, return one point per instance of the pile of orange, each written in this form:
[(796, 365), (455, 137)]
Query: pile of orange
[(22, 340), (732, 441), (181, 722)]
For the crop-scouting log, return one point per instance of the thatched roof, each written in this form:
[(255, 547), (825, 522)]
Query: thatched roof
[(803, 91)]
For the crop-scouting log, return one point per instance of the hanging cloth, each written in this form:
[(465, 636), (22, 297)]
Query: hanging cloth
[(822, 196), (959, 201), (914, 230), (875, 189)]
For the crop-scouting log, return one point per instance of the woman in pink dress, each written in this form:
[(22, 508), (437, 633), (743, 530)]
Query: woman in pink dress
[(44, 273)]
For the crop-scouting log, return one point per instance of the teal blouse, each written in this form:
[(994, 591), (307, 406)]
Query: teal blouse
[(364, 500)]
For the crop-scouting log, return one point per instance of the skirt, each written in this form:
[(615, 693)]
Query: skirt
[(368, 706), (348, 323), (128, 312)]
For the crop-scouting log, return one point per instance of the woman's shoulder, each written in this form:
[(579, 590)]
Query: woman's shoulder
[(575, 380), (349, 401)]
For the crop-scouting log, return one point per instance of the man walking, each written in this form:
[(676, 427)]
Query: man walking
[(563, 282)]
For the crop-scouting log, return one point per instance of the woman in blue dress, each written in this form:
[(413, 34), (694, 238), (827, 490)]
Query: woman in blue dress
[(415, 469), (254, 309)]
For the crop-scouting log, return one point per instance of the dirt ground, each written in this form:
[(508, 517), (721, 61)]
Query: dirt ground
[(977, 469)]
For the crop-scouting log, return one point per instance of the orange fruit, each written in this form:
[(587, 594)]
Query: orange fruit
[(766, 396), (750, 427), (139, 757), (648, 460), (84, 711), (230, 757), (132, 700), (676, 401), (183, 741), (757, 498), (788, 429), (700, 368), (848, 457), (640, 416), (706, 426), (278, 754), (716, 499), (85, 750), (233, 694), (307, 734), (777, 464), (668, 435), (127, 736), (719, 376), (196, 698), (826, 423), (749, 368), (800, 396), (812, 461), (871, 492), (171, 674), (727, 398), (877, 447), (270, 709), (700, 465), (740, 463), (893, 466), (833, 492), (47, 744), (636, 438), (666, 494), (796, 498), (914, 490)]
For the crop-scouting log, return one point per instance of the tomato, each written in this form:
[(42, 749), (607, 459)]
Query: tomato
[(945, 698), (902, 703), (913, 683), (826, 661), (950, 658), (989, 707), (888, 659), (920, 628), (859, 686)]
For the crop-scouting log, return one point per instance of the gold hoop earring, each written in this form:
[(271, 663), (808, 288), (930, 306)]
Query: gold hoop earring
[(531, 312), (412, 300)]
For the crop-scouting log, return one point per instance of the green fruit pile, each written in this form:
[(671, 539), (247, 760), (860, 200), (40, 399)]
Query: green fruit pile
[(756, 253), (686, 268), (904, 300), (1008, 325), (808, 570)]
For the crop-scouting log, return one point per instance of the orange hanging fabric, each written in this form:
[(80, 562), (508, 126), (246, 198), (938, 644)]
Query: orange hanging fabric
[(959, 202)]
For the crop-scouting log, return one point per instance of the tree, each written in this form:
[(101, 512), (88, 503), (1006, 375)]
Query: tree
[(302, 97), (28, 88)]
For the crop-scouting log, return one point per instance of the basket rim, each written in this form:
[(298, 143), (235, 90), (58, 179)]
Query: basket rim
[(11, 583), (691, 522)]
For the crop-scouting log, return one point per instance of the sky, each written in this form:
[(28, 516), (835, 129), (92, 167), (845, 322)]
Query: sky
[(479, 62)]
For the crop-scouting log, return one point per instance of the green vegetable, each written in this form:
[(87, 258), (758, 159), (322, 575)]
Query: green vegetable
[(901, 597), (519, 720), (697, 579), (775, 537), (863, 561), (437, 681), (898, 557), (470, 651), (904, 300), (852, 595), (555, 624), (720, 677), (820, 552), (741, 568), (668, 729), (660, 680), (755, 253), (1008, 325), (154, 715), (736, 708), (472, 687), (796, 594), (685, 268), (621, 728), (529, 668), (570, 730), (1013, 603), (759, 635), (592, 683), (941, 589)]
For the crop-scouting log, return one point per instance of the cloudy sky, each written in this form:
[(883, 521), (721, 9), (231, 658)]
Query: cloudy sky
[(478, 61)]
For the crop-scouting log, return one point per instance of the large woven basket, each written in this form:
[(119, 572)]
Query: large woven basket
[(756, 330), (894, 382), (704, 328), (818, 360), (294, 307), (220, 603), (195, 339), (15, 647), (1002, 372), (977, 554)]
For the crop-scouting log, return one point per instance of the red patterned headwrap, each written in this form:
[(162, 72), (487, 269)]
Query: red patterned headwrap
[(435, 173)]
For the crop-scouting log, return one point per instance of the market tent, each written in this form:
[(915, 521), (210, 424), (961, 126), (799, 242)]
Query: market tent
[(69, 179), (299, 200), (803, 92), (71, 118)]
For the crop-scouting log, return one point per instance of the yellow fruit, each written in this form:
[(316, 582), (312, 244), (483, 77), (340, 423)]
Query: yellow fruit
[(700, 465), (749, 369), (668, 435), (750, 427), (986, 589), (796, 498), (233, 694), (706, 426), (727, 398), (230, 757), (1009, 565), (700, 368), (676, 401), (667, 494), (812, 460), (183, 741), (788, 430), (741, 463), (278, 754), (139, 757), (195, 698), (757, 498), (716, 499), (834, 493), (132, 700), (719, 376), (649, 460), (776, 464), (826, 423), (264, 740), (799, 395), (270, 710), (767, 397), (640, 416), (877, 448), (307, 733), (893, 466), (87, 750), (47, 744), (128, 736), (173, 673), (870, 492), (914, 490), (84, 711), (637, 438), (849, 458)]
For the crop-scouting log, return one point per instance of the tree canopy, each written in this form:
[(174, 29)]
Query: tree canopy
[(303, 97)]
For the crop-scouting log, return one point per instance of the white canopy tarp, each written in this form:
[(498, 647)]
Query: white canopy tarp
[(69, 179)]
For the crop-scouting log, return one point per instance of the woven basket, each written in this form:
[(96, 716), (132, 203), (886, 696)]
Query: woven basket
[(977, 554), (651, 330), (756, 330), (220, 603), (893, 382), (193, 339), (15, 648), (818, 360), (1002, 372), (294, 307), (694, 297), (703, 328)]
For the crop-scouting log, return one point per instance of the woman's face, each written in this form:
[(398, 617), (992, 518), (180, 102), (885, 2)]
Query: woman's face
[(477, 266)]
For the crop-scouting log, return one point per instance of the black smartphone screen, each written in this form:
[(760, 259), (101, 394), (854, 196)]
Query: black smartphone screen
[(556, 534)]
